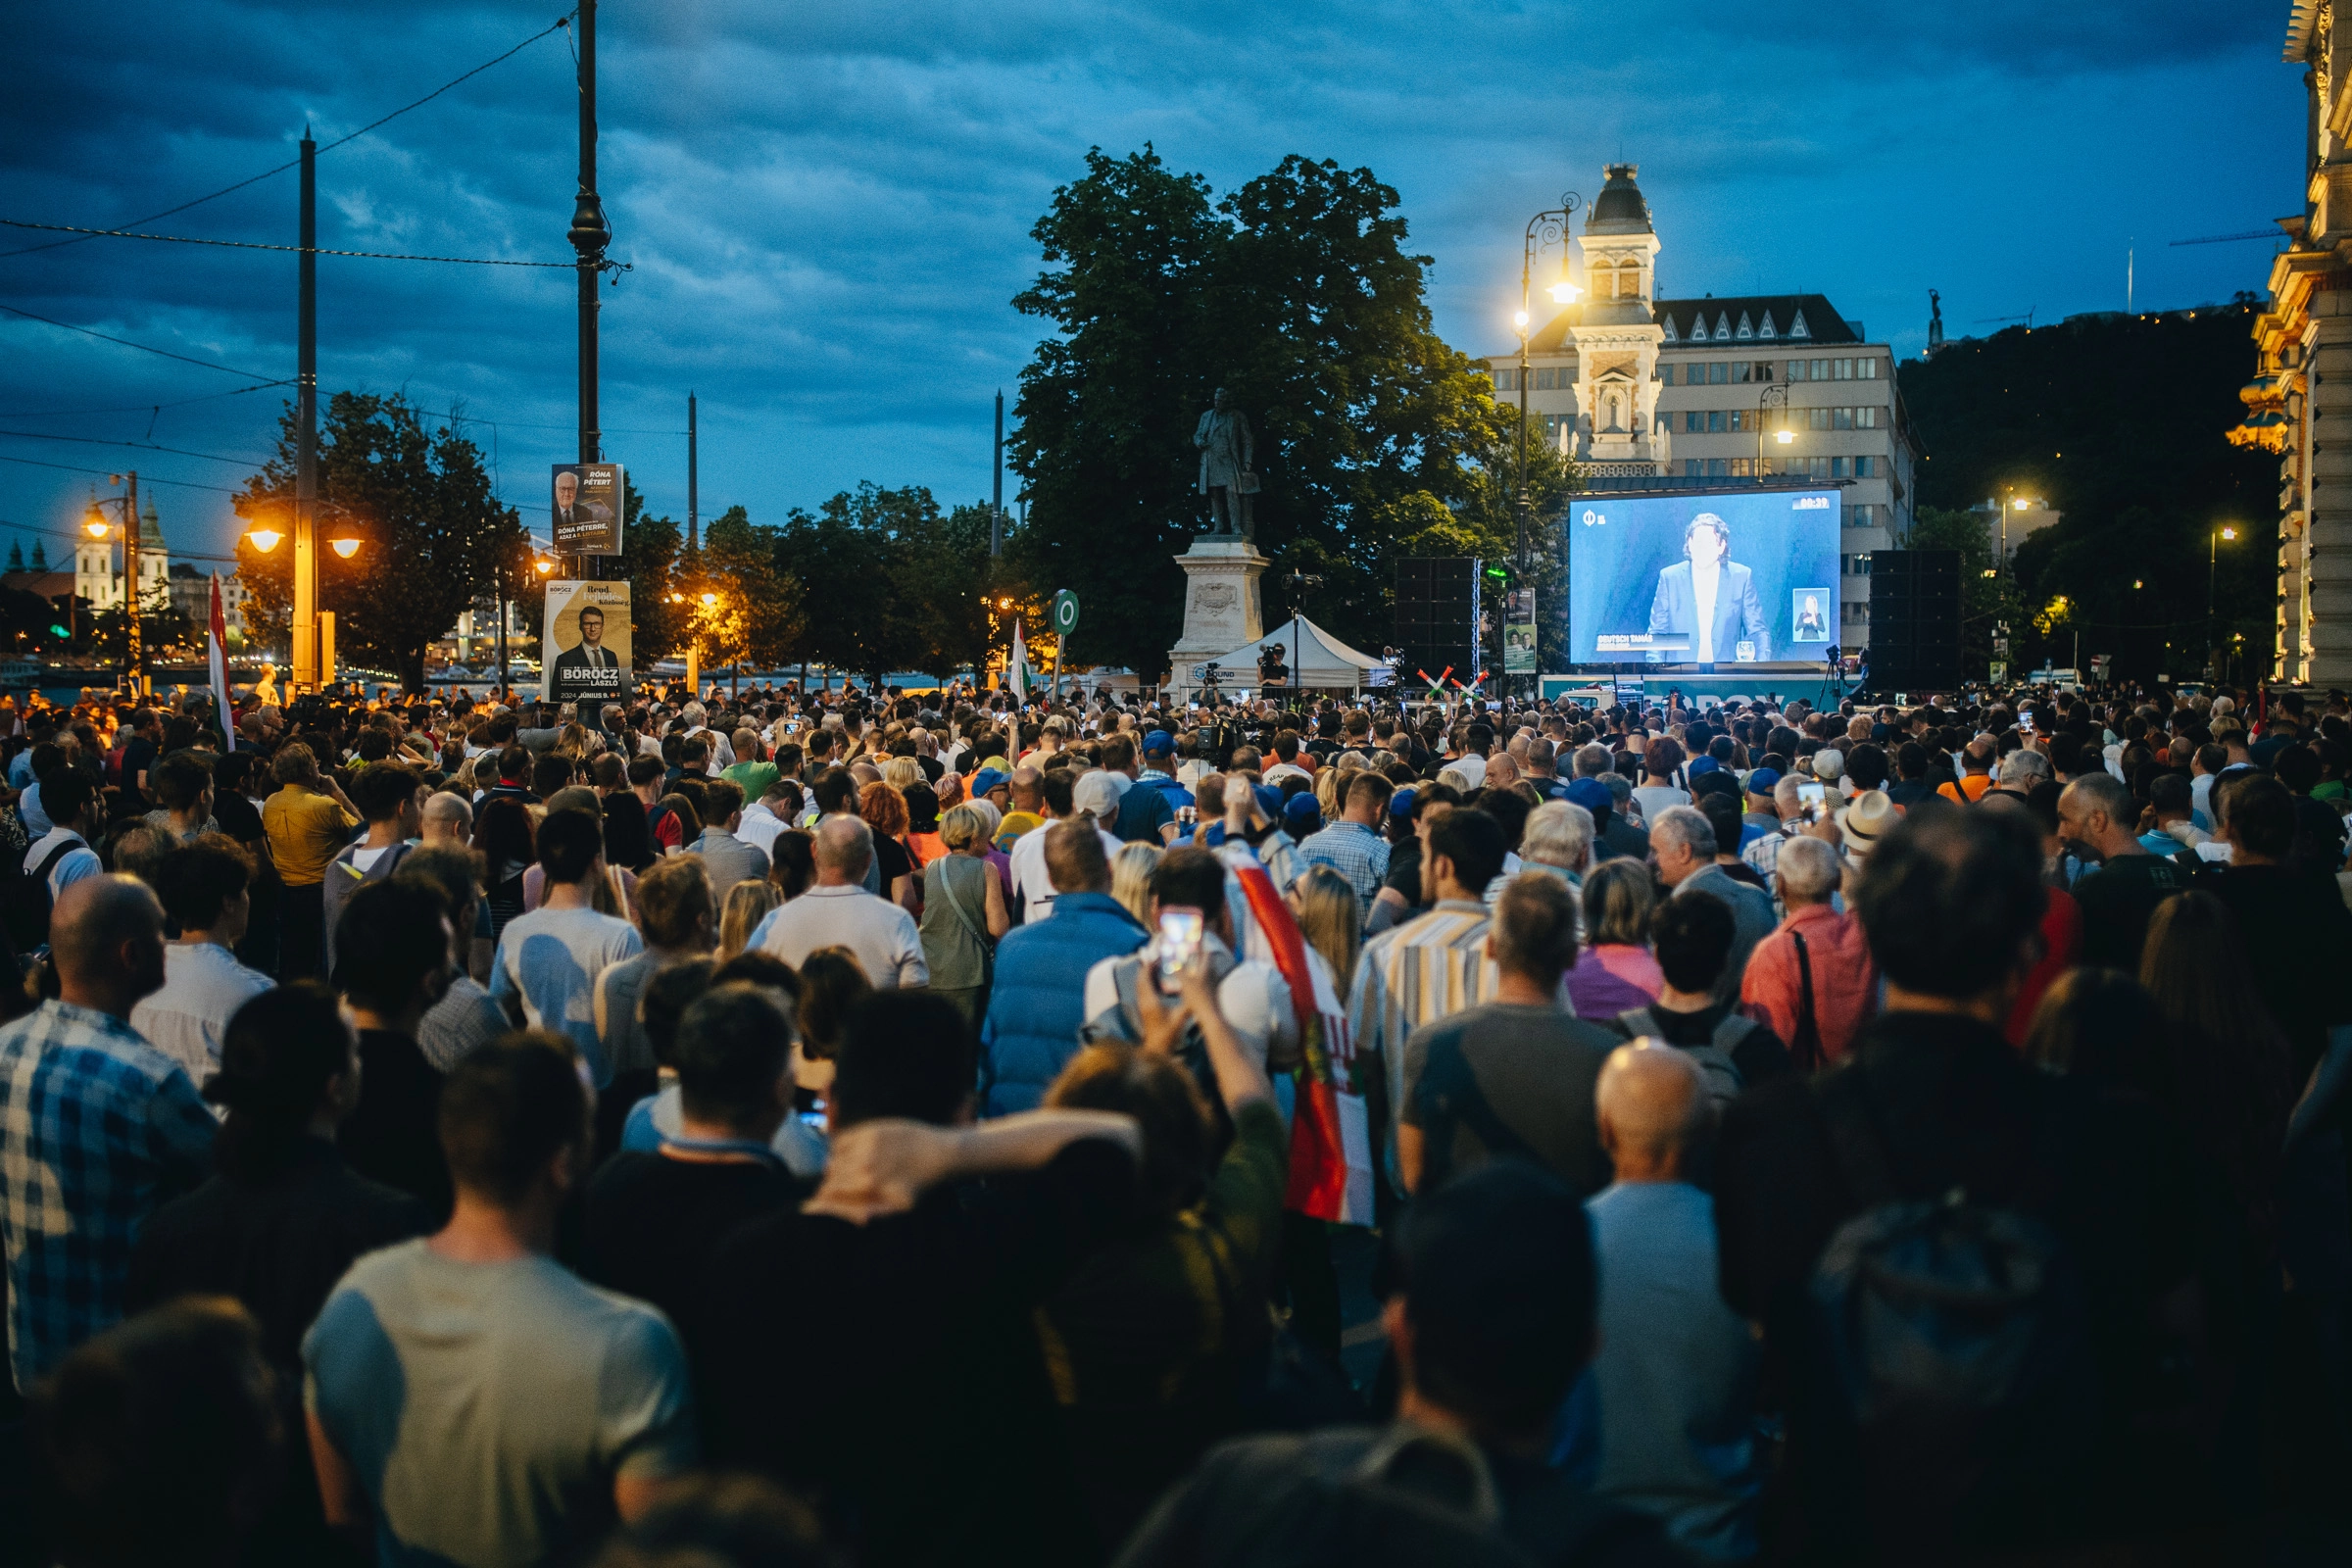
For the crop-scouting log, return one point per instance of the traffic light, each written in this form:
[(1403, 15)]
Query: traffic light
[(58, 631)]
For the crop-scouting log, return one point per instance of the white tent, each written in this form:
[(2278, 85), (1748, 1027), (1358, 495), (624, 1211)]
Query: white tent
[(1318, 660)]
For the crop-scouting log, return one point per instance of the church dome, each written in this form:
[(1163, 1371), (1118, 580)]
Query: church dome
[(1619, 208)]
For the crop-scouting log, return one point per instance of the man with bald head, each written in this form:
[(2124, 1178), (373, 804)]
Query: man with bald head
[(840, 912), (447, 821), (97, 1128), (1677, 1368)]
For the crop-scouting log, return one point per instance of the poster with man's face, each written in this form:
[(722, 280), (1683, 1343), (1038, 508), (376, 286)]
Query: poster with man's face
[(587, 643), (585, 503)]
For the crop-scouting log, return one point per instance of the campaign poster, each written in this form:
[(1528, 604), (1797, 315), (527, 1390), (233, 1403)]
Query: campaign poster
[(587, 627), (1519, 632), (1712, 578), (585, 503)]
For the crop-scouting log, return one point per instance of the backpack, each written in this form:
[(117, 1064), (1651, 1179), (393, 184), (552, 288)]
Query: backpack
[(1956, 1337), (25, 900), (1716, 1064)]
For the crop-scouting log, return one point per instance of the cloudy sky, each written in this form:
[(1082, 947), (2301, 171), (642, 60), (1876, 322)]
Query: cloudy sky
[(827, 205)]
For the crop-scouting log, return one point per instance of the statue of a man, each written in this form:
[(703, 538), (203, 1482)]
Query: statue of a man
[(1226, 448)]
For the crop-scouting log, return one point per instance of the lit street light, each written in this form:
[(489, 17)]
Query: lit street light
[(1543, 230), (95, 525), (2213, 556)]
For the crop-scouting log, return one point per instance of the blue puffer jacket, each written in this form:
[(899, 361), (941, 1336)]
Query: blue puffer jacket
[(1039, 999)]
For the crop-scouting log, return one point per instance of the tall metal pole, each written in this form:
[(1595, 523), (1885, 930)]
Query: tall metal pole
[(694, 525), (995, 506), (589, 236), (306, 428), (137, 665)]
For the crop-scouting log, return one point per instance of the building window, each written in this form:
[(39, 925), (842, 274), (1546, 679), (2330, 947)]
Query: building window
[(1693, 422), (1816, 418), (1743, 468), (1841, 419), (1665, 374), (1718, 468), (1692, 468), (1857, 611), (1506, 380), (1845, 370), (1862, 516), (1821, 369), (1866, 369), (1741, 369), (1718, 372), (1862, 467), (1716, 422), (1838, 468), (1797, 370), (1665, 424)]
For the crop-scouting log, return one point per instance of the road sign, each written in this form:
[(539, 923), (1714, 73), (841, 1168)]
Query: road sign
[(1065, 613)]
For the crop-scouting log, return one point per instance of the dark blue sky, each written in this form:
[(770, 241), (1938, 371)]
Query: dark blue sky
[(828, 205)]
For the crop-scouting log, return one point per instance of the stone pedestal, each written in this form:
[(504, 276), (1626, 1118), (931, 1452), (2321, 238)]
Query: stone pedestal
[(1223, 609)]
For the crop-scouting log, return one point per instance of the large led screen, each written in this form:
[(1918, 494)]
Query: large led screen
[(1688, 579)]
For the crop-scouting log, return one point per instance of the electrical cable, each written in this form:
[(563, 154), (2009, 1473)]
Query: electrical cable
[(143, 445), (257, 245), (145, 349), (561, 23)]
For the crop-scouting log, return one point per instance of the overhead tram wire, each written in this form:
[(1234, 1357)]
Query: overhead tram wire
[(561, 23), (257, 245), (89, 331), (135, 407), (143, 445), (144, 478)]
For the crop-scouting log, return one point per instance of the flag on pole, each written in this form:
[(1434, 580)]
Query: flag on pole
[(218, 639), (1017, 668)]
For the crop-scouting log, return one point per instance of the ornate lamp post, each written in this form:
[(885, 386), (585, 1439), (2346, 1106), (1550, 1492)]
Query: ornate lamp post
[(1774, 396), (1544, 228)]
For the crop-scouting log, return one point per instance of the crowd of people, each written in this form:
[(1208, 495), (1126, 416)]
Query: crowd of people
[(801, 1128)]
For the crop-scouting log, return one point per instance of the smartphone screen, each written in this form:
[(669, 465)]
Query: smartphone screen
[(1811, 800), (1179, 946)]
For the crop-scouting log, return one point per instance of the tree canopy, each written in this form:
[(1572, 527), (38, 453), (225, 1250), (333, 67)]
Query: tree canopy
[(1295, 294)]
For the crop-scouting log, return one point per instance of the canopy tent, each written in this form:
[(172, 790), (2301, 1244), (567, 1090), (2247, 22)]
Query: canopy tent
[(1318, 660)]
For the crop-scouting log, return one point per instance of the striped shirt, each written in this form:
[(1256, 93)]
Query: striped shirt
[(97, 1129), (1414, 974)]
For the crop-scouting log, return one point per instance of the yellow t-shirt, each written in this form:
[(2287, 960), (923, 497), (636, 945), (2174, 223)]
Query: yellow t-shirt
[(307, 831)]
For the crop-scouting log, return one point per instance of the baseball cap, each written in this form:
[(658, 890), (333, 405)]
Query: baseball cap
[(1592, 795), (989, 780), (1160, 743), (1401, 804), (1301, 815), (1763, 780)]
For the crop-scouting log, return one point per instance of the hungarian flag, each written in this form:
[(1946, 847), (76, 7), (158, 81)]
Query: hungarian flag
[(1017, 668), (218, 651), (1331, 1136)]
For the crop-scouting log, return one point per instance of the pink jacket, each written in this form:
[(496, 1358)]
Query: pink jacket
[(1845, 982)]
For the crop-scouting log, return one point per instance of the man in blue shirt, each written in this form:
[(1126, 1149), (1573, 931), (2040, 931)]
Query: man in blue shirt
[(1148, 810)]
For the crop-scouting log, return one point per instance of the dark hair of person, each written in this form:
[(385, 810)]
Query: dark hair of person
[(753, 968), (568, 844), (2259, 814), (2231, 1071), (1949, 900), (506, 1110), (1535, 927), (831, 983), (390, 936), (668, 994), (161, 1441), (1472, 841), (1179, 1133), (381, 789), (501, 834), (65, 794), (277, 1055), (177, 781), (1500, 1288), (836, 791), (1691, 935), (902, 1054), (1190, 878), (792, 863), (2100, 1024), (730, 1052)]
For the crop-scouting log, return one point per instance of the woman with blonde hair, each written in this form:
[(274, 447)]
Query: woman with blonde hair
[(1332, 919), (1131, 878), (964, 913), (748, 904), (900, 771)]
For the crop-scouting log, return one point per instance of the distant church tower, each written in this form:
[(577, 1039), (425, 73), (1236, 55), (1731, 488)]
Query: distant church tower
[(1617, 335)]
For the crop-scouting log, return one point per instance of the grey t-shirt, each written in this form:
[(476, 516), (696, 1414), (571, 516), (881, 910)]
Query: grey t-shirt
[(488, 1408), (1508, 1078)]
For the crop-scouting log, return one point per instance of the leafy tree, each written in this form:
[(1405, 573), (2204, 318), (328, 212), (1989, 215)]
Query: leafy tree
[(651, 547), (421, 503), (753, 612)]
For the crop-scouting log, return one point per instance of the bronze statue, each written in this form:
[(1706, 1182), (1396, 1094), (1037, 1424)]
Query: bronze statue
[(1227, 446)]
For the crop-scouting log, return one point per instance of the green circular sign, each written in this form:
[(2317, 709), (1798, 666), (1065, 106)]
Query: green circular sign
[(1065, 611)]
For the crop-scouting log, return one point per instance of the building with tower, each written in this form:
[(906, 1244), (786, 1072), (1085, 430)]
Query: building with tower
[(1643, 391)]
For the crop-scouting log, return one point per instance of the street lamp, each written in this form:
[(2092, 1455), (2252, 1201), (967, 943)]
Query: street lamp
[(1774, 395), (94, 523), (2213, 556), (1545, 227), (345, 546), (264, 540)]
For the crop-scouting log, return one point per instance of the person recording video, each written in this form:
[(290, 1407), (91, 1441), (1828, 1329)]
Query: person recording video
[(1710, 599)]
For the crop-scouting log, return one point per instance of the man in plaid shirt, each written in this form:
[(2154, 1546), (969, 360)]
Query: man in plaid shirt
[(1353, 846), (97, 1127)]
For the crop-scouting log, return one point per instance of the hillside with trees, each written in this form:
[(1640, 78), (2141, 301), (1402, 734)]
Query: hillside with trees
[(2120, 423)]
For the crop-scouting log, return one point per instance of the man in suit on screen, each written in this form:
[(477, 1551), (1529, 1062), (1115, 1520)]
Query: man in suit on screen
[(1710, 599)]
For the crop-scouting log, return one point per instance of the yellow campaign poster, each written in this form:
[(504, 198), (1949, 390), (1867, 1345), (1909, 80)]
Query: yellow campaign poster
[(587, 629)]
